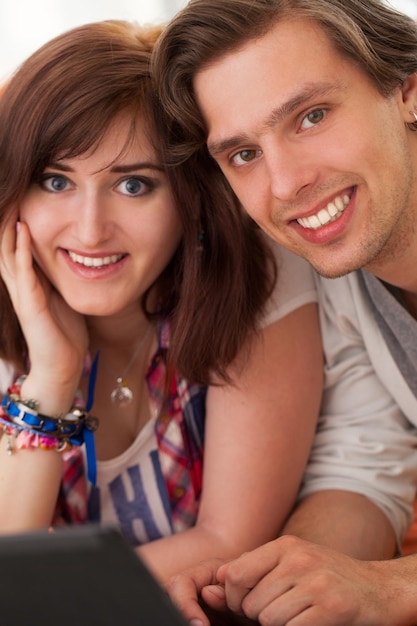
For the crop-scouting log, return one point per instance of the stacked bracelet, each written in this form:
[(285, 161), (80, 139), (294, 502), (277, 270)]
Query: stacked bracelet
[(21, 420), (69, 427)]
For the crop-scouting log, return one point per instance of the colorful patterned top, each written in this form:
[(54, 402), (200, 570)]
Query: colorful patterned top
[(153, 488)]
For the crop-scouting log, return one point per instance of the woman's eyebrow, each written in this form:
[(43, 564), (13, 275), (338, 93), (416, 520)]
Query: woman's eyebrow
[(132, 167), (57, 165)]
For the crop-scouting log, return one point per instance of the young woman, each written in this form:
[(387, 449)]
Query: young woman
[(140, 319)]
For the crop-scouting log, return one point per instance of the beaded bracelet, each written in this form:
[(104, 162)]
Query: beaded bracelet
[(20, 438)]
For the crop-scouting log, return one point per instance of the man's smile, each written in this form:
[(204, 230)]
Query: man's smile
[(327, 214)]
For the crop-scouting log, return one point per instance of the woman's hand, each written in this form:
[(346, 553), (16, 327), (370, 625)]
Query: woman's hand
[(56, 335), (185, 589)]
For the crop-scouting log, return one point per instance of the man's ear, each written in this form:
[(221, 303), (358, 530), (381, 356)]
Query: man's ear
[(409, 95)]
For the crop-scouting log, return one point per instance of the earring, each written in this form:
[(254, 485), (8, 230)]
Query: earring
[(411, 125)]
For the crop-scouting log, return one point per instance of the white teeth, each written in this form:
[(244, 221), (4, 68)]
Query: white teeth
[(326, 215), (332, 208), (315, 221), (89, 261)]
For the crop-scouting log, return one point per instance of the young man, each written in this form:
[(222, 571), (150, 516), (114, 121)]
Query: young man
[(309, 108)]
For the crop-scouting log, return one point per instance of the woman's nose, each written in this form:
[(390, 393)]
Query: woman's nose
[(93, 223)]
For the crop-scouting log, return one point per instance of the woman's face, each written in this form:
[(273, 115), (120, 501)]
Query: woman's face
[(104, 224)]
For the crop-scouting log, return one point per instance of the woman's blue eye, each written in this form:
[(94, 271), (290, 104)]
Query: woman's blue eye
[(133, 187), (55, 182)]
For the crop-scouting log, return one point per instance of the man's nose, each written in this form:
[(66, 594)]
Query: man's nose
[(290, 170)]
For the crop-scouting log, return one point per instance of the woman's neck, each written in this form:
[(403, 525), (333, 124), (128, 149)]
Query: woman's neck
[(125, 345), (119, 332)]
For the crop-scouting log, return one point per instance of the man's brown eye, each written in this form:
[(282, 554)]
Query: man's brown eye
[(315, 116), (247, 155)]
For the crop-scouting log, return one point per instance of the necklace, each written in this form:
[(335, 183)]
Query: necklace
[(122, 395)]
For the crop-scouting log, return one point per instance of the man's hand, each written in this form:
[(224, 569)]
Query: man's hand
[(291, 582)]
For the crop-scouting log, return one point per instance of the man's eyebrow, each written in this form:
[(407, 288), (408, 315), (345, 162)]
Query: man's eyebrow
[(309, 92), (217, 147)]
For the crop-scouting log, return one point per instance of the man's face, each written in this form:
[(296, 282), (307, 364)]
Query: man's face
[(317, 156)]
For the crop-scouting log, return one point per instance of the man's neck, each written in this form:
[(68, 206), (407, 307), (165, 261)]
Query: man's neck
[(410, 302)]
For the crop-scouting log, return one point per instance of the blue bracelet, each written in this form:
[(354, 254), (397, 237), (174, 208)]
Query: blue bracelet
[(77, 432), (25, 416), (69, 428), (77, 427)]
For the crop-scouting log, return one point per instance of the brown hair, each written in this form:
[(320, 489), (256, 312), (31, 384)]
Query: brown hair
[(61, 102), (378, 39)]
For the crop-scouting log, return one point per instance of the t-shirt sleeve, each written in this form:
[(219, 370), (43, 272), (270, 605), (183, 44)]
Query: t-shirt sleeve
[(294, 286), (364, 442)]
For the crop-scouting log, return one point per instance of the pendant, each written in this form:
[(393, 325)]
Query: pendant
[(121, 396)]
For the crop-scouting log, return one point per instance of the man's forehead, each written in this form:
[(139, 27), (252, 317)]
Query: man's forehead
[(279, 29), (266, 79)]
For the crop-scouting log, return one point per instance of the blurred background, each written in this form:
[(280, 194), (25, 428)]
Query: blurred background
[(27, 24)]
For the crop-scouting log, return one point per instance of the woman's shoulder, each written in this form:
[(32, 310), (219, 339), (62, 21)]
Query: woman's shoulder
[(295, 285)]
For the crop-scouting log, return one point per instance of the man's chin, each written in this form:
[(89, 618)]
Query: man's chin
[(336, 272)]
